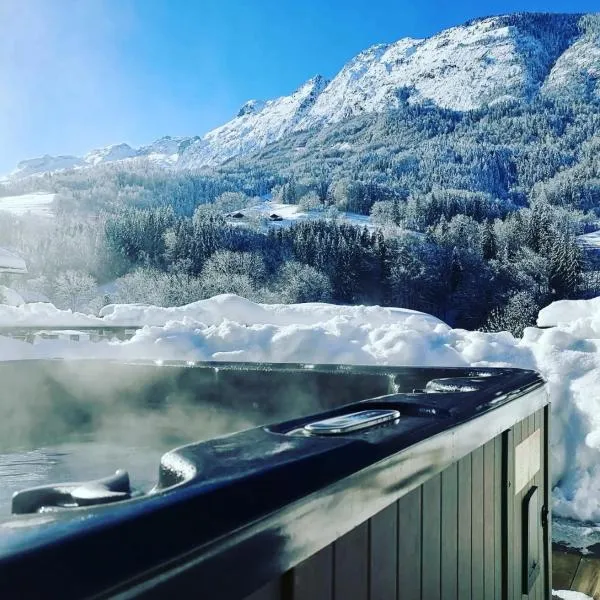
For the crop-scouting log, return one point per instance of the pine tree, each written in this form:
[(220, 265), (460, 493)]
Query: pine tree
[(456, 271), (489, 243), (565, 267)]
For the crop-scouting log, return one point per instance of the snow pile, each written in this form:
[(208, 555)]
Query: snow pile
[(43, 314), (570, 311), (230, 328), (231, 307), (568, 595)]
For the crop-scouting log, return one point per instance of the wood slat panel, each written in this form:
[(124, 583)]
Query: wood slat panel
[(464, 528), (271, 591), (536, 592), (508, 510), (489, 534), (498, 496), (313, 579), (516, 519), (546, 416), (477, 525), (431, 544), (539, 424), (351, 565), (449, 560), (409, 546), (444, 540), (383, 542)]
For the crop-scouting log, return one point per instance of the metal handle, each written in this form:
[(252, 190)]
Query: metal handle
[(348, 423)]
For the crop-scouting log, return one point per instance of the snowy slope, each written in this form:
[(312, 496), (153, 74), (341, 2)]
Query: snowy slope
[(482, 62), (578, 68), (234, 329), (35, 204), (256, 125), (292, 213), (44, 164), (461, 69), (110, 154), (11, 263)]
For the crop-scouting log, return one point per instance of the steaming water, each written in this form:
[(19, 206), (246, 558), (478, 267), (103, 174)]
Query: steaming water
[(74, 461)]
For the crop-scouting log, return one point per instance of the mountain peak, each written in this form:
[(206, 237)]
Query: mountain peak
[(250, 107)]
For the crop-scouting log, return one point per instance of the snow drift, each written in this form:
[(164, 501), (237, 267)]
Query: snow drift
[(231, 328)]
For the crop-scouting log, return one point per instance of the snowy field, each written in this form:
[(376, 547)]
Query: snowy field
[(39, 204), (230, 328), (590, 240), (292, 213)]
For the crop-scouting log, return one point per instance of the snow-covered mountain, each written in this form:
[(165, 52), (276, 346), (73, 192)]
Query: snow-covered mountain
[(480, 63), (48, 164), (44, 164)]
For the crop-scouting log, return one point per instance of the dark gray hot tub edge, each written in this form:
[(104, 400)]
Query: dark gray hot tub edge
[(261, 502)]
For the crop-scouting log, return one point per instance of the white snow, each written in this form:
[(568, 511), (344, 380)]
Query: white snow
[(568, 595), (292, 213), (11, 263), (110, 154), (39, 204), (573, 68), (570, 311), (253, 129), (45, 164), (590, 240), (231, 328), (10, 297)]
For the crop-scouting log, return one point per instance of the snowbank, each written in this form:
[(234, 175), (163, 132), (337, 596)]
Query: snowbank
[(234, 308), (567, 311), (568, 595), (43, 314), (232, 328)]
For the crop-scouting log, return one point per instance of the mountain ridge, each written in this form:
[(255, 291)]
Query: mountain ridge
[(485, 61)]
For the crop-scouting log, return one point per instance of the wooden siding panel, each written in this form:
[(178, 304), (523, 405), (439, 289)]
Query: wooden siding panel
[(313, 579), (508, 510), (516, 519), (477, 526), (489, 534), (449, 568), (409, 545), (271, 591), (351, 565), (464, 528), (498, 500), (432, 542), (383, 555)]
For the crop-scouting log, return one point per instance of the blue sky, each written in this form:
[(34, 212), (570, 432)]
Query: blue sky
[(79, 74)]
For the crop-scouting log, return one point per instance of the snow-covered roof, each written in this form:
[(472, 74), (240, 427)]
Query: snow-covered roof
[(11, 263)]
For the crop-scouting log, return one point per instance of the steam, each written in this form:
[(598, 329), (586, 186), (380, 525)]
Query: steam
[(65, 420), (50, 402)]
